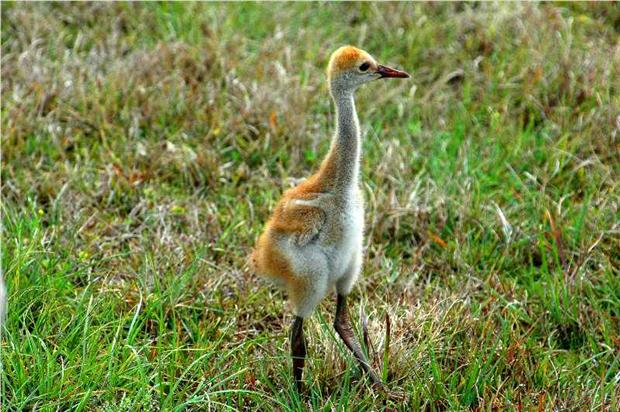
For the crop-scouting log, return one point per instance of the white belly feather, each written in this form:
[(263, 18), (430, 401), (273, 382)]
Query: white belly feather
[(341, 241), (342, 252), (336, 251)]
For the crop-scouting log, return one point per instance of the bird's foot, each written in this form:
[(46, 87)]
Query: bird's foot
[(382, 390)]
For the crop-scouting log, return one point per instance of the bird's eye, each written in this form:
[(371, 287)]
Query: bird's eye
[(364, 66)]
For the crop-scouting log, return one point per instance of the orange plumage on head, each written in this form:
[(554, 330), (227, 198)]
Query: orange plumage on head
[(345, 58)]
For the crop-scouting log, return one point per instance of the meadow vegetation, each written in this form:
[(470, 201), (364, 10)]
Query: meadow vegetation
[(144, 145)]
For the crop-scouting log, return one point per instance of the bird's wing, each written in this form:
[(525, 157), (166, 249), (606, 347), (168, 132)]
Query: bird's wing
[(301, 219)]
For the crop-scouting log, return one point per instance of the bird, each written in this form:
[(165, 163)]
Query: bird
[(313, 241)]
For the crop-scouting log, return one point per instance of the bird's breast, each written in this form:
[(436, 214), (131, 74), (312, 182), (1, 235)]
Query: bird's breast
[(343, 236)]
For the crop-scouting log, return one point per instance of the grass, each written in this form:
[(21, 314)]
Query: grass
[(143, 146)]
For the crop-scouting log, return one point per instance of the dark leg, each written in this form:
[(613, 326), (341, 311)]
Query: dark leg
[(298, 350), (344, 329)]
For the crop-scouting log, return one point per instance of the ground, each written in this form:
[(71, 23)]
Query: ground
[(144, 145)]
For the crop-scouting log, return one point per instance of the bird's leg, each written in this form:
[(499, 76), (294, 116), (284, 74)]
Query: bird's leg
[(298, 350), (344, 329)]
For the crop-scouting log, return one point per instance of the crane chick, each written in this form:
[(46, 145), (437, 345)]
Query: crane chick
[(313, 240)]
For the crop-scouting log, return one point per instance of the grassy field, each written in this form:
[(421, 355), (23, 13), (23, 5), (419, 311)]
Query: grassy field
[(143, 146)]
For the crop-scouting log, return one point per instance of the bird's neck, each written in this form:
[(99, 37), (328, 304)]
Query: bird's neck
[(342, 162)]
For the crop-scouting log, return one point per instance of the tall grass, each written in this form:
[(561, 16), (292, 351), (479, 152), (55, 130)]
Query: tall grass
[(143, 146)]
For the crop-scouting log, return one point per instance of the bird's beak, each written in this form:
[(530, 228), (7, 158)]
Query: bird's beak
[(385, 71)]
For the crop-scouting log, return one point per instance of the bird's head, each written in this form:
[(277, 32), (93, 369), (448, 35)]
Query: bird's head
[(350, 67)]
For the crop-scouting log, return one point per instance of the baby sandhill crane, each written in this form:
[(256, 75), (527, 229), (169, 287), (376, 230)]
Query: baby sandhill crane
[(313, 240)]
